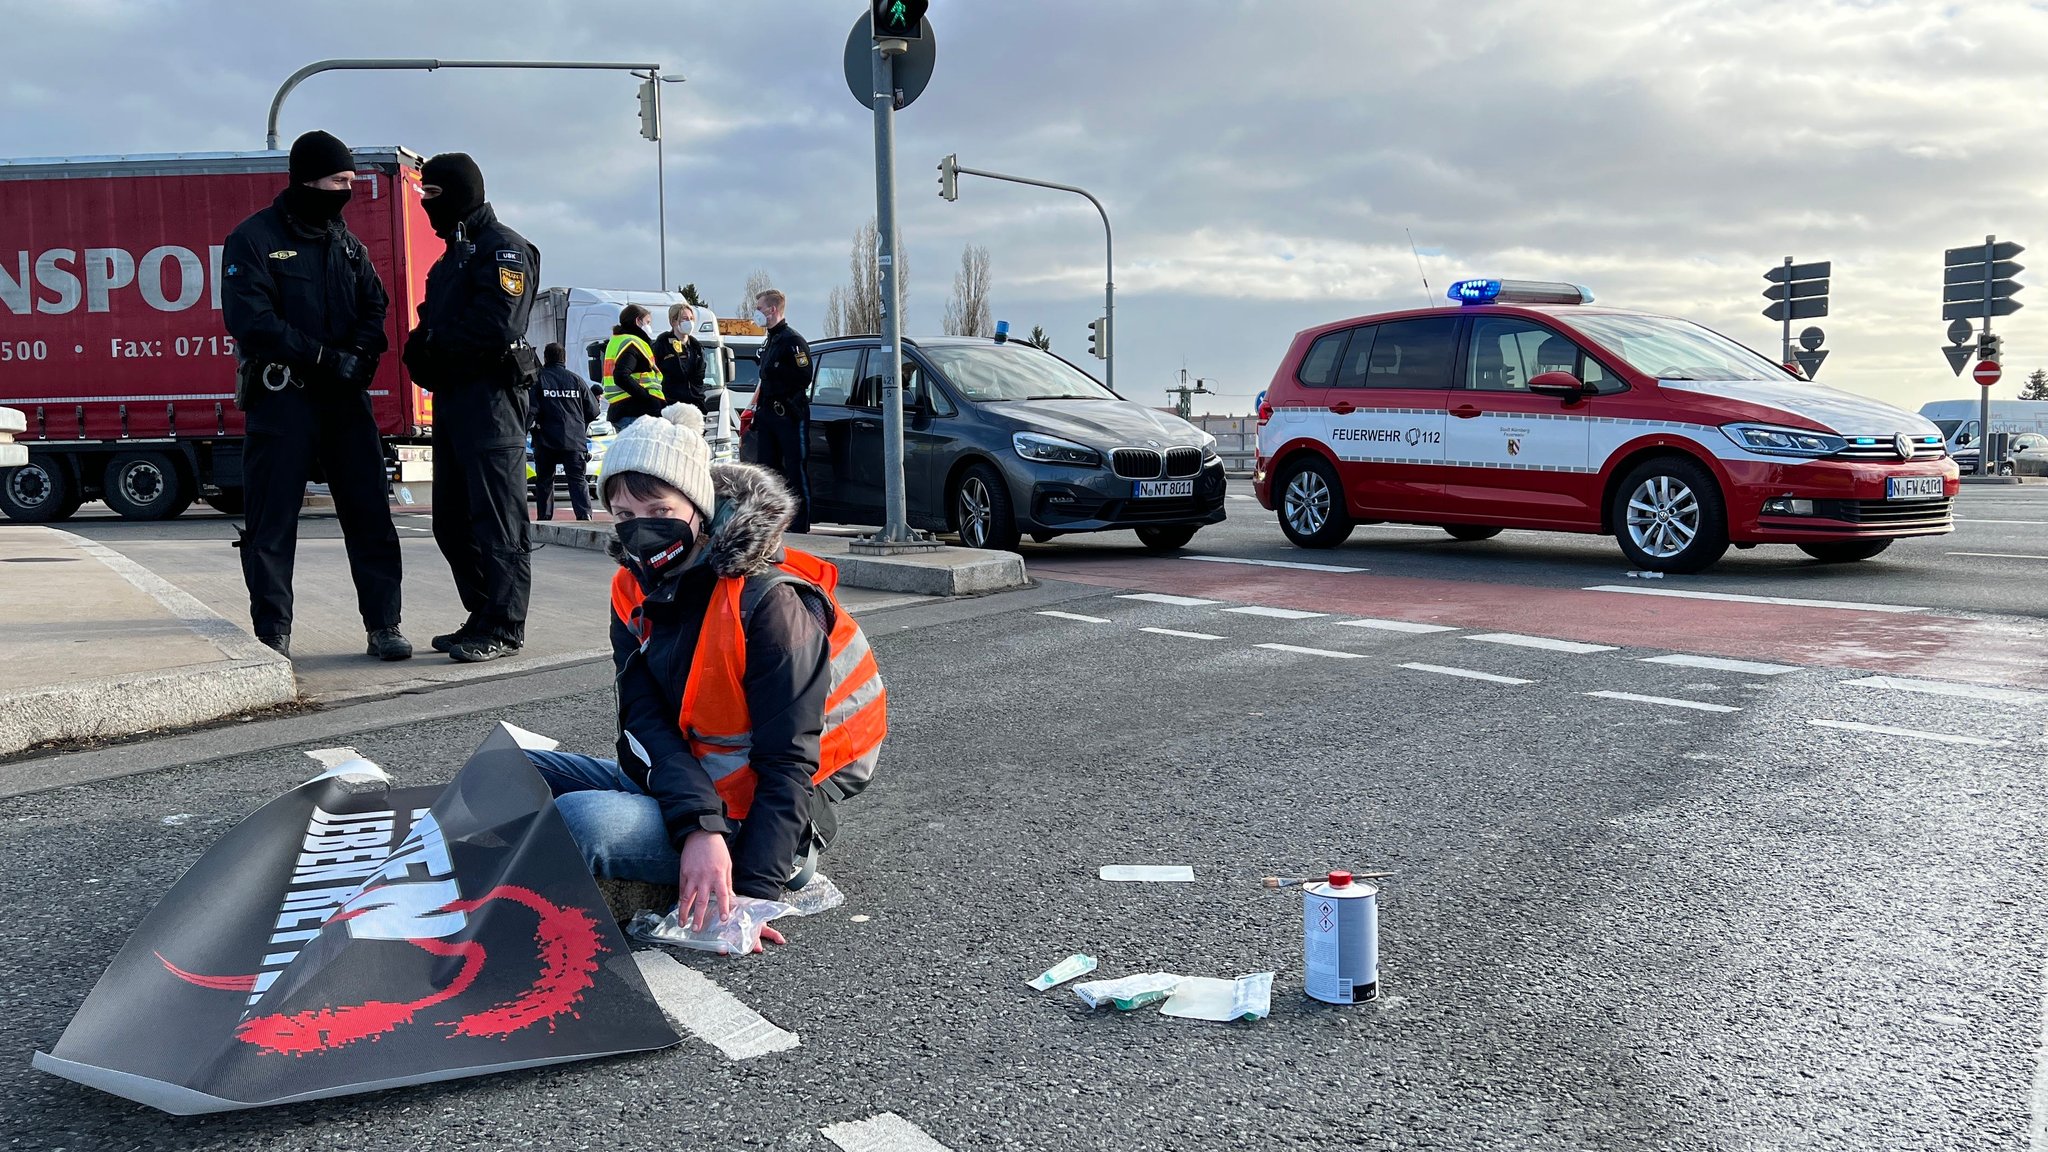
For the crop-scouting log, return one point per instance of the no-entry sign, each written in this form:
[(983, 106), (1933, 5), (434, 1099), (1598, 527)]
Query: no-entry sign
[(1986, 372)]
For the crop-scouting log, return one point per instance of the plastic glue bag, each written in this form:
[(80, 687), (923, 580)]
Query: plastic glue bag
[(736, 935)]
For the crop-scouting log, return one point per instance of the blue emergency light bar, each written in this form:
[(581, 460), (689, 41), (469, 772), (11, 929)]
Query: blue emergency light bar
[(1518, 292)]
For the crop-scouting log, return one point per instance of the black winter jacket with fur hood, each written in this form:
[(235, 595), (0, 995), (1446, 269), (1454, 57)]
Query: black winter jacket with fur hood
[(787, 678)]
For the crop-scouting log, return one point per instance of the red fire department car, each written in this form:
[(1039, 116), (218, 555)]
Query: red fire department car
[(1529, 408)]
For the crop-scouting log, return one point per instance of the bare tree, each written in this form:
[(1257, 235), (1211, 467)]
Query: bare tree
[(858, 307), (967, 313), (758, 281)]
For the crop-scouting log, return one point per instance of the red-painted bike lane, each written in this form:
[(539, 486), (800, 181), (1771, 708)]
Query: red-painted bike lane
[(2004, 652)]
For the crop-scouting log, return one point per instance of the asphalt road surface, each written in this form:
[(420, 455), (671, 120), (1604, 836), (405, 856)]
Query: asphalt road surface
[(1672, 871)]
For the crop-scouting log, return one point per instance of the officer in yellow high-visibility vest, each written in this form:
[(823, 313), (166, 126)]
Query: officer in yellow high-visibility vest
[(632, 384)]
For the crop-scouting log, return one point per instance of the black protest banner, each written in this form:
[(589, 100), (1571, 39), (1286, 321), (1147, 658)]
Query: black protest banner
[(350, 936)]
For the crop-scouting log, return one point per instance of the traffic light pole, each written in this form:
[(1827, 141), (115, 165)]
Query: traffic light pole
[(895, 534), (1109, 253), (1785, 356)]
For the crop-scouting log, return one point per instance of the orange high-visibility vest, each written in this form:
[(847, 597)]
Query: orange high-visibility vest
[(714, 719)]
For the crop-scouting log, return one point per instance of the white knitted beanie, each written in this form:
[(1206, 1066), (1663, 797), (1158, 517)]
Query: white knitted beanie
[(669, 447)]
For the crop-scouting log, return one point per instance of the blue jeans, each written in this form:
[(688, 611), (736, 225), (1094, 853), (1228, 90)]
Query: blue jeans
[(617, 825)]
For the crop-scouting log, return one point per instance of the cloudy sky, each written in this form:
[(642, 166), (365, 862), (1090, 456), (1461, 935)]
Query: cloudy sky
[(1264, 161)]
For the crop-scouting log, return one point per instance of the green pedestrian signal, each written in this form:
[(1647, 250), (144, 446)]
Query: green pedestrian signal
[(899, 19)]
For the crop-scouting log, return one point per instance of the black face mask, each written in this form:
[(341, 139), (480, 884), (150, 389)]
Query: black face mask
[(444, 212), (657, 550), (317, 206)]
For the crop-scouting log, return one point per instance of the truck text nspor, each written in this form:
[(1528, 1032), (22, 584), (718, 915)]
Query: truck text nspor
[(169, 278)]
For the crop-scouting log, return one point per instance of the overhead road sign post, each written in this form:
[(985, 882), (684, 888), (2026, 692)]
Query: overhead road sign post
[(1799, 292), (1979, 283)]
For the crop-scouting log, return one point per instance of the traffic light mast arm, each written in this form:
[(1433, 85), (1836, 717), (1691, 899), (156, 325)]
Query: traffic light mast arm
[(1108, 246), (405, 65)]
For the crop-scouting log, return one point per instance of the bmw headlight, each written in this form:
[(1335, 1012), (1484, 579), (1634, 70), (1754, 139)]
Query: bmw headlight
[(1053, 450), (1209, 448), (1770, 440)]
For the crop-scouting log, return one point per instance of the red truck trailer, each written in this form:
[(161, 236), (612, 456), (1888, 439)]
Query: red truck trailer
[(111, 342)]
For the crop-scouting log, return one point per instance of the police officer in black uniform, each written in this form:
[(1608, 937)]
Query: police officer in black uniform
[(563, 405), (305, 306), (470, 350), (782, 406), (680, 356)]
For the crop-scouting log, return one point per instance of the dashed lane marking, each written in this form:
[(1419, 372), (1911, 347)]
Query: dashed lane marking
[(1738, 598), (887, 1132), (1182, 635), (1938, 688), (1296, 565), (1300, 651), (1466, 673), (1398, 626), (1276, 613), (1163, 598), (1717, 664), (2002, 555), (1543, 642), (1974, 520), (1909, 733), (1075, 616), (695, 1003), (1666, 701)]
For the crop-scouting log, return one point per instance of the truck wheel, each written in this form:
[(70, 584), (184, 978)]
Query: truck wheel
[(228, 501), (1312, 509), (1669, 516), (145, 486), (39, 492), (1845, 551)]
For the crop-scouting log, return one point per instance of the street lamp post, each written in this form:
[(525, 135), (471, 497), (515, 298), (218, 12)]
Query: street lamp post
[(1109, 253)]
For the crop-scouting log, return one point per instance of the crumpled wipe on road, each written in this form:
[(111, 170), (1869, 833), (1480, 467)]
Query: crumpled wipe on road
[(351, 936), (740, 933), (1189, 997)]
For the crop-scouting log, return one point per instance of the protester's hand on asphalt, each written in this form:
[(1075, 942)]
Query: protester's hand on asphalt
[(769, 936), (704, 885)]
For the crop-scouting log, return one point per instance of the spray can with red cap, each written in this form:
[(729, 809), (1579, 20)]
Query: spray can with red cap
[(1341, 940)]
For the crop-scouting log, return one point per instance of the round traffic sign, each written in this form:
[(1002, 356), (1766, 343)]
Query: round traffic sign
[(1959, 331), (1986, 372), (1812, 338)]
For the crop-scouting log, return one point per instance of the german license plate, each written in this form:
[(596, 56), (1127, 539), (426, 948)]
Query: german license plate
[(1912, 487), (1146, 489)]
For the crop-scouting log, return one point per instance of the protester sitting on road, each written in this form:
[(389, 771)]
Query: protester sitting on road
[(726, 651)]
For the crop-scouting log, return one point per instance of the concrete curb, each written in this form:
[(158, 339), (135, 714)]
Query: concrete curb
[(945, 572), (2006, 481), (248, 676)]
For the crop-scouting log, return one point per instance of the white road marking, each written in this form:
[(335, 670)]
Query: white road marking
[(1276, 613), (887, 1132), (1297, 565), (1398, 626), (2002, 555), (1075, 616), (1910, 733), (1148, 873), (1297, 649), (1937, 688), (1543, 642), (1405, 527), (1182, 635), (1241, 496), (1974, 520), (1467, 673), (1718, 664), (695, 1003), (1737, 598), (1163, 598), (1666, 701)]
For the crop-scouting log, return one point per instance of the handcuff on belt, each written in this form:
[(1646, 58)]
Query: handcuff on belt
[(282, 374)]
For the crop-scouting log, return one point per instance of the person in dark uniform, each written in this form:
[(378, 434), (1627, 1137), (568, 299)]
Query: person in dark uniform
[(680, 356), (563, 405), (782, 406), (469, 349), (305, 306), (632, 384)]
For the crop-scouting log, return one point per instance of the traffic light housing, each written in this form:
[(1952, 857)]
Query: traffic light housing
[(949, 177), (1989, 345), (650, 109), (1098, 338), (898, 19)]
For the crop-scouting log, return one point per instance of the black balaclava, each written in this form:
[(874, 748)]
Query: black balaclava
[(315, 156), (462, 190)]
